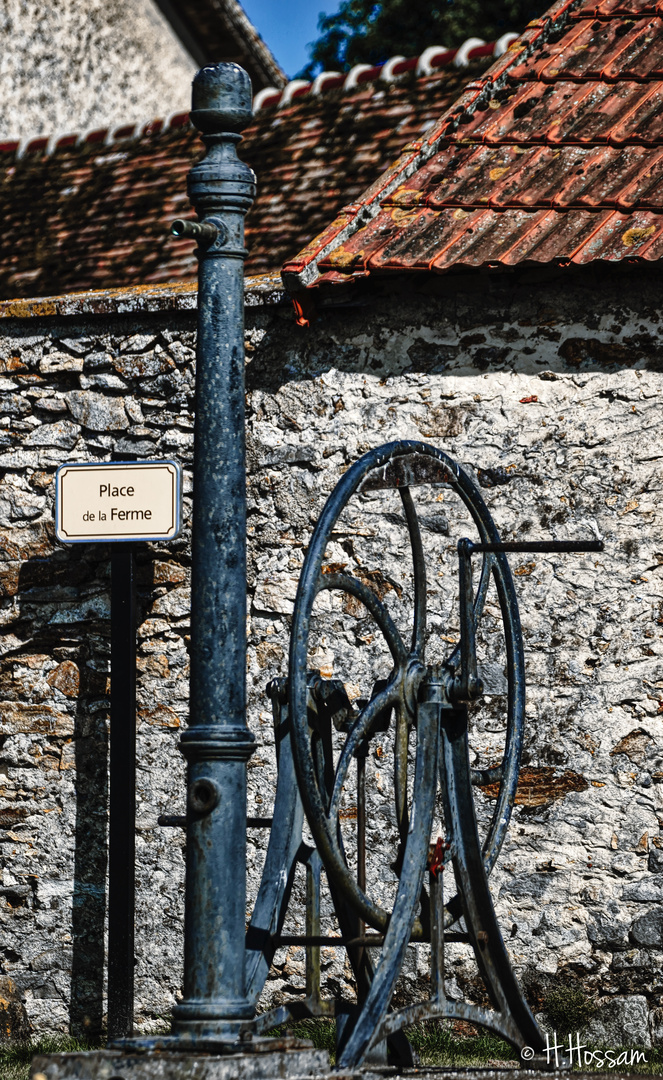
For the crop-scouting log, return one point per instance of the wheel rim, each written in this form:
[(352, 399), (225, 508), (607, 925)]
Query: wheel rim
[(321, 812)]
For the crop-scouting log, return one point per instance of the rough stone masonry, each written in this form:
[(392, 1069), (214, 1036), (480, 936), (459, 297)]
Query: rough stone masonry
[(549, 391)]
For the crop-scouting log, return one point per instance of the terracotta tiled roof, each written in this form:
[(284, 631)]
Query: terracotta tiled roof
[(555, 155), (93, 212)]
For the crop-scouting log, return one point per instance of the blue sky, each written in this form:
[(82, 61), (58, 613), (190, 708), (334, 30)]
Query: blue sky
[(287, 26)]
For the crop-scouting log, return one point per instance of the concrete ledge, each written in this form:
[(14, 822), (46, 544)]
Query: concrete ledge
[(263, 290), (156, 1065)]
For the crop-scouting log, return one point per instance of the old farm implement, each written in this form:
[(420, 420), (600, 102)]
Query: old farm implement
[(425, 708), (420, 708)]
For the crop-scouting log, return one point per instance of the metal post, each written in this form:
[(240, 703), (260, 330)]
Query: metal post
[(362, 754), (313, 867), (218, 743), (436, 892), (122, 801)]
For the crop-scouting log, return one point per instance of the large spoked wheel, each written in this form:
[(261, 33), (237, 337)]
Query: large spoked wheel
[(399, 465)]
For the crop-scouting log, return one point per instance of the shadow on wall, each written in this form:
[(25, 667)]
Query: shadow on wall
[(91, 741), (64, 616), (596, 321), (62, 601)]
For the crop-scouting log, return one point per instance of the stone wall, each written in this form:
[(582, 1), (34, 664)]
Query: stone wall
[(548, 392)]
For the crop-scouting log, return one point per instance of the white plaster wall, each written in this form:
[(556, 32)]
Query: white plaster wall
[(74, 65)]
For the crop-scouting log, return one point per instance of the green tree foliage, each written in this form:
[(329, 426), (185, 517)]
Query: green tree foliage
[(363, 31)]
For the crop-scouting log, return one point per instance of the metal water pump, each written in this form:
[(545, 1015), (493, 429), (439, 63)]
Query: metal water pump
[(427, 707)]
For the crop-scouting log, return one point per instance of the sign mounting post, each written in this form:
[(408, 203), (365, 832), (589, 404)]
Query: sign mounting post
[(122, 794)]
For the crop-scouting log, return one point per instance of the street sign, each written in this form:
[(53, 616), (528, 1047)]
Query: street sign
[(108, 501)]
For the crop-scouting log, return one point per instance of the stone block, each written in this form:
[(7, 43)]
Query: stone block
[(14, 1023), (63, 434), (97, 412), (624, 1021), (55, 362), (648, 929)]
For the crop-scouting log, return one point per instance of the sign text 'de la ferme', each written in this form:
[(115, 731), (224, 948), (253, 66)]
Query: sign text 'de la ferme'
[(117, 501)]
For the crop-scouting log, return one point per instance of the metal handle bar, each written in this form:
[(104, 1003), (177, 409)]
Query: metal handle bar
[(538, 545), (339, 942), (467, 685)]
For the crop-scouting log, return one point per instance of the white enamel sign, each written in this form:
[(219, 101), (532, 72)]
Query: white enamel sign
[(115, 500)]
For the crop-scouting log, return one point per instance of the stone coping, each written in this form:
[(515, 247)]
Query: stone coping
[(263, 290)]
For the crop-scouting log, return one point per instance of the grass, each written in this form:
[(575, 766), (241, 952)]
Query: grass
[(322, 1033), (435, 1043), (15, 1058), (438, 1044)]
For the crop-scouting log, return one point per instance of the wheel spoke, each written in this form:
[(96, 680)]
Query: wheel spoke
[(400, 775), (373, 605), (419, 630), (361, 728)]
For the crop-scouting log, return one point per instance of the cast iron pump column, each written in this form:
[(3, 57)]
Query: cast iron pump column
[(218, 743)]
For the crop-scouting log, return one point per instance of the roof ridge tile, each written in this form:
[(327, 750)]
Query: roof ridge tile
[(270, 96), (461, 56)]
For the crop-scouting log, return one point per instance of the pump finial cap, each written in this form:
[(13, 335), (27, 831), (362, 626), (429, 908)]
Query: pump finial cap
[(222, 99)]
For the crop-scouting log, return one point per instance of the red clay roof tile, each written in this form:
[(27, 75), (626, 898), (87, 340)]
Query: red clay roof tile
[(554, 155)]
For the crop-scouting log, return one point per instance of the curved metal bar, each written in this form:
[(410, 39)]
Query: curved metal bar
[(449, 1010), (506, 774), (515, 666), (468, 862), (373, 605), (419, 565), (506, 593), (409, 890), (356, 735), (300, 1009)]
